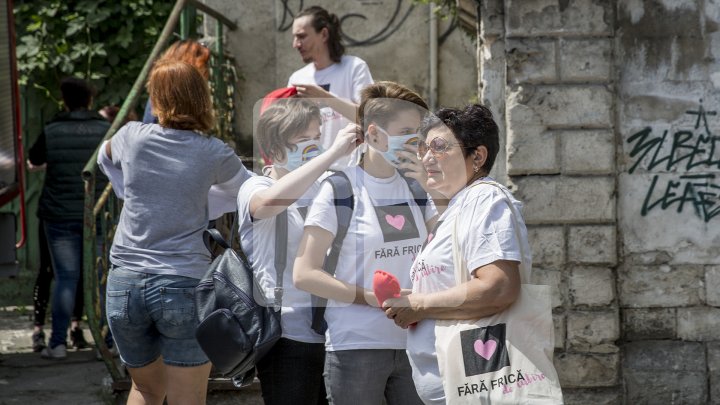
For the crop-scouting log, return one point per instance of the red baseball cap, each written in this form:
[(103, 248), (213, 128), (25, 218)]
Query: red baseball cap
[(283, 92)]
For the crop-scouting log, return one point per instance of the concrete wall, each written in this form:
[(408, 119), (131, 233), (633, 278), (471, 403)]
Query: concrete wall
[(393, 37), (608, 111), (610, 117)]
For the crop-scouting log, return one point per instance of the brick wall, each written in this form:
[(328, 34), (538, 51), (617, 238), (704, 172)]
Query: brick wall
[(609, 110), (558, 98)]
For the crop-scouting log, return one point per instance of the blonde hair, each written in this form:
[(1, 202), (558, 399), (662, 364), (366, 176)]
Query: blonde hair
[(180, 96), (282, 120)]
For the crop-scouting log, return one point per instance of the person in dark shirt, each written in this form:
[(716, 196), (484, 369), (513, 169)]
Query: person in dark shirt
[(65, 145)]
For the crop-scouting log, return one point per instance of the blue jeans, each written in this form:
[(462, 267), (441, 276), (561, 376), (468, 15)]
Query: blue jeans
[(292, 373), (65, 241), (152, 315), (366, 377)]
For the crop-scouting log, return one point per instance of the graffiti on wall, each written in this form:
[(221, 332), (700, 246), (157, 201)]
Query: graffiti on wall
[(686, 157), (395, 18)]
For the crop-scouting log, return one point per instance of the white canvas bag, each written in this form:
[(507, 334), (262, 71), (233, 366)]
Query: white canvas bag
[(506, 358)]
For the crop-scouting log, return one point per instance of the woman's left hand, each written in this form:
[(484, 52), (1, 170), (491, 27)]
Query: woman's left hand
[(404, 311)]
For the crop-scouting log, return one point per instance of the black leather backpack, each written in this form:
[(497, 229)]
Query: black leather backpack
[(237, 327)]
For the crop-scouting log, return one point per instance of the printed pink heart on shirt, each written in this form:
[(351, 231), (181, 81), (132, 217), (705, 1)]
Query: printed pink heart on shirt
[(485, 349), (397, 221)]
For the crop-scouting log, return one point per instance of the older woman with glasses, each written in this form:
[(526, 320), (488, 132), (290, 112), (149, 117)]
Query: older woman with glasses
[(459, 152)]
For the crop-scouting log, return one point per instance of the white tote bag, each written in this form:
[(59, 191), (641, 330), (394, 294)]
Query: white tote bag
[(506, 358)]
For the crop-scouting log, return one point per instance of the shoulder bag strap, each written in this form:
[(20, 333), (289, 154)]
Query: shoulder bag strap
[(213, 234), (461, 273)]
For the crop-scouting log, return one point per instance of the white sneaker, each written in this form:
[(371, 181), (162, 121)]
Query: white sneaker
[(57, 352)]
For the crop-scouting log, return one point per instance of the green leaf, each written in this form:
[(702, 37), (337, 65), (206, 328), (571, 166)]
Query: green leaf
[(124, 37), (96, 18), (67, 66), (98, 50), (73, 27), (34, 26)]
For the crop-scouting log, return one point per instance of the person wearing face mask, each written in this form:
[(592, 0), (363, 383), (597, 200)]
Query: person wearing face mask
[(365, 359), (289, 132)]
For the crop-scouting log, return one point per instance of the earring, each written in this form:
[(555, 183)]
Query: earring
[(475, 168)]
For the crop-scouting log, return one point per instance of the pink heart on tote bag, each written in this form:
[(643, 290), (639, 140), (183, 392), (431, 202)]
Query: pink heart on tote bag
[(397, 221), (485, 349)]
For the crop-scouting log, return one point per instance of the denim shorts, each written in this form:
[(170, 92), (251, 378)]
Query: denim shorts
[(152, 315)]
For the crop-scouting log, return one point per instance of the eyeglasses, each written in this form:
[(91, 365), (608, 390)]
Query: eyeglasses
[(438, 146)]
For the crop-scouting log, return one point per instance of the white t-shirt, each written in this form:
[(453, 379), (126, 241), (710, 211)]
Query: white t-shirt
[(344, 80), (385, 233), (485, 234), (257, 238)]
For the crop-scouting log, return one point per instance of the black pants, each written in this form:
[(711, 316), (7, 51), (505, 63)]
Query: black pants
[(41, 292), (292, 373)]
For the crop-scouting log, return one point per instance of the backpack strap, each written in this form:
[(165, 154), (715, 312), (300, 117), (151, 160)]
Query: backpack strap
[(281, 235), (212, 234), (419, 194), (344, 201)]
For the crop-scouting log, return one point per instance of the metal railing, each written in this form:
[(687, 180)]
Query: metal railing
[(106, 207)]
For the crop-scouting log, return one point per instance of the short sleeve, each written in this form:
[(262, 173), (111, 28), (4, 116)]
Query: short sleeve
[(487, 222), (229, 164), (361, 79), (292, 80), (246, 193), (119, 142), (322, 211)]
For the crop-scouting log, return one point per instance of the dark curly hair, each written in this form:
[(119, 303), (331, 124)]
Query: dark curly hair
[(472, 126)]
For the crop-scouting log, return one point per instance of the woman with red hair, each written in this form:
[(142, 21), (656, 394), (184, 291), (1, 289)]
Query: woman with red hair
[(158, 255), (188, 51)]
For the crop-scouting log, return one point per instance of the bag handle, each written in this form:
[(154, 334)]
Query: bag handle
[(213, 234), (461, 274)]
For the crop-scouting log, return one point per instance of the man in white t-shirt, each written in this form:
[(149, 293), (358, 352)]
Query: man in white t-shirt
[(329, 75)]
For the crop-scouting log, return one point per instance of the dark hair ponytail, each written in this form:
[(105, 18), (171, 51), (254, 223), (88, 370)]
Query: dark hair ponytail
[(321, 18)]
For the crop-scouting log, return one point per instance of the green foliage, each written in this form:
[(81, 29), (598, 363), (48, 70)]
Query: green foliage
[(103, 41), (443, 8)]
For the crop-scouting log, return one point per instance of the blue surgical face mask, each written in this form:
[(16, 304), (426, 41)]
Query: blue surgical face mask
[(303, 153), (396, 144)]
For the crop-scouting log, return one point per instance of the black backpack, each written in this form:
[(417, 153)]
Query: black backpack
[(344, 200), (237, 327)]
